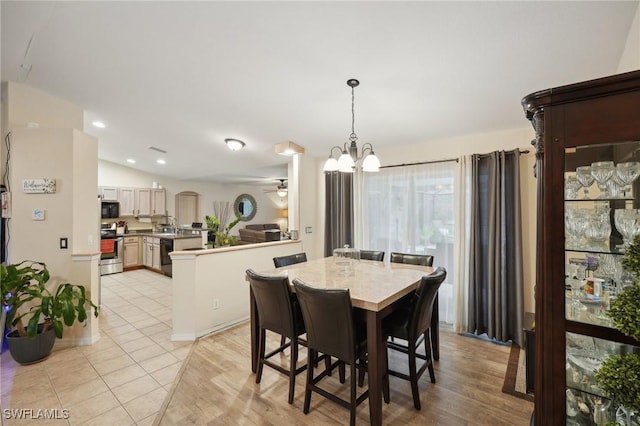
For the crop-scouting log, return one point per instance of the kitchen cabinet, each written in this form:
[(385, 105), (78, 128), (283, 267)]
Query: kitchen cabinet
[(131, 251), (151, 247), (127, 198), (158, 202), (143, 201), (109, 193), (151, 202), (584, 132)]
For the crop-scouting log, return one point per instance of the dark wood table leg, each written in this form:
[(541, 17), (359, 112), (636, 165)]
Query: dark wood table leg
[(435, 330), (375, 347), (255, 332)]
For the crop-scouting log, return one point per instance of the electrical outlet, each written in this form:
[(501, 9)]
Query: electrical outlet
[(216, 303)]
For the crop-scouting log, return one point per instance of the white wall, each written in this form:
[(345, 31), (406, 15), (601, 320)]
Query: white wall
[(269, 209), (630, 59)]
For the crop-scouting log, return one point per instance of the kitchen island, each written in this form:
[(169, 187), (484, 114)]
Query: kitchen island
[(151, 249), (210, 292)]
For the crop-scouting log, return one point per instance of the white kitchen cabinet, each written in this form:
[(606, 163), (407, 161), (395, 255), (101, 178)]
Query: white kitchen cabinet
[(158, 202), (131, 251), (151, 247), (109, 193), (143, 199), (127, 198)]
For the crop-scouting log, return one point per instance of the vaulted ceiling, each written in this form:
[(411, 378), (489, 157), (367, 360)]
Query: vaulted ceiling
[(183, 76)]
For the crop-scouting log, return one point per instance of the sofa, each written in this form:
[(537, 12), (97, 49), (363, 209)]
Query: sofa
[(259, 233)]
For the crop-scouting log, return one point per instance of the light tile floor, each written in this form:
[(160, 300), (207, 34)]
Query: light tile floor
[(120, 380)]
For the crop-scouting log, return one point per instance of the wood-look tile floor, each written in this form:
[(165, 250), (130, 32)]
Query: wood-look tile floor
[(216, 386), (134, 375), (120, 380)]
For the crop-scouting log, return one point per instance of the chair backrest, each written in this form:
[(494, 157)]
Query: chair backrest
[(412, 259), (273, 301), (420, 317), (372, 255), (289, 260), (328, 319)]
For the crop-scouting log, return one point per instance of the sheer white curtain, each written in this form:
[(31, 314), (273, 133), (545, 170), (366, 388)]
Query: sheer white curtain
[(462, 246), (411, 209)]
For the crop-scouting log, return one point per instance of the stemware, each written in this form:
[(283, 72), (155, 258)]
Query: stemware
[(628, 172), (627, 222), (583, 174), (576, 221), (571, 186), (602, 172)]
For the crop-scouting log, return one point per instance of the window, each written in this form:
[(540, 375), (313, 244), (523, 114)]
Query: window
[(410, 209)]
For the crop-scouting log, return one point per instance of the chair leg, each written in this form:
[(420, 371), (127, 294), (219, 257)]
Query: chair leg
[(361, 371), (327, 364), (352, 405), (413, 375), (341, 372), (261, 346), (427, 350), (282, 340), (292, 368), (307, 390)]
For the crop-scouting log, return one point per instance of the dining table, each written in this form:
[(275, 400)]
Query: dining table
[(376, 288)]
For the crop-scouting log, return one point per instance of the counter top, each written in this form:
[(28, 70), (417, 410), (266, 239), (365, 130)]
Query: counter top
[(161, 235)]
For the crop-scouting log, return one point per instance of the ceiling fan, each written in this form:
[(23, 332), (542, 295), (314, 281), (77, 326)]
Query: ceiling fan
[(281, 189)]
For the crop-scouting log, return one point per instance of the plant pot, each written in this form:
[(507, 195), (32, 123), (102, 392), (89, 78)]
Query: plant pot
[(28, 351)]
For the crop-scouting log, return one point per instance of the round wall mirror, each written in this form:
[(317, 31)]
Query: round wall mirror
[(245, 206)]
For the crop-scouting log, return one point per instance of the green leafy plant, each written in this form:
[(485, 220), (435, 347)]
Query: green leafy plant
[(619, 378), (25, 283), (223, 238), (624, 311), (213, 223), (631, 259)]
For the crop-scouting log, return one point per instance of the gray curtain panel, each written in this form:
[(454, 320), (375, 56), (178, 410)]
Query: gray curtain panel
[(338, 228), (496, 293)]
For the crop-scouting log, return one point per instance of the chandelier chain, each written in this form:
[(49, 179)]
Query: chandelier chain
[(353, 136)]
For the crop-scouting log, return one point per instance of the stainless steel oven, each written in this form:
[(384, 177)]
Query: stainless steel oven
[(111, 252)]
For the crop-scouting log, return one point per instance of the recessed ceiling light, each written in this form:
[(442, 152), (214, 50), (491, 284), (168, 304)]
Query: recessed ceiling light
[(98, 124), (234, 144), (131, 160), (161, 161)]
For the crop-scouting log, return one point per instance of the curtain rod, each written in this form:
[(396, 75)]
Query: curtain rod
[(526, 151), (420, 163)]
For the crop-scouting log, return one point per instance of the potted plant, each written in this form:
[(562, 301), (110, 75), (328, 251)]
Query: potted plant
[(619, 374), (221, 234), (26, 299)]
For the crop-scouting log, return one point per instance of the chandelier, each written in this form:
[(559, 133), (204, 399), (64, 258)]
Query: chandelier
[(346, 163)]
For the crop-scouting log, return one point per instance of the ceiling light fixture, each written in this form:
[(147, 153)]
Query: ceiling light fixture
[(131, 161), (288, 148), (234, 144), (99, 124), (349, 154), (161, 161)]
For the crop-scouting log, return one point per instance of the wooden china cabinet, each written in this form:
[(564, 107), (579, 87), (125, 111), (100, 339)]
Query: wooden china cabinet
[(582, 131)]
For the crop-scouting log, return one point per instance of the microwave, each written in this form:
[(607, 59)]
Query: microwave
[(110, 210)]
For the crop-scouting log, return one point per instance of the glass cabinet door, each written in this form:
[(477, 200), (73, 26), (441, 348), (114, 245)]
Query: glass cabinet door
[(601, 218)]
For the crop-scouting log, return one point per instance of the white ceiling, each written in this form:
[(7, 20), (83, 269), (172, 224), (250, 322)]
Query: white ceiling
[(183, 76)]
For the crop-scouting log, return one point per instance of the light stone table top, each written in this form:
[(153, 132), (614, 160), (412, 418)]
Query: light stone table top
[(373, 285)]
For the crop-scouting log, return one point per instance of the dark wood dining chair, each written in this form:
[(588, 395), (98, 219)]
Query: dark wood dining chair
[(372, 255), (412, 323), (279, 312), (328, 315), (412, 259), (291, 259)]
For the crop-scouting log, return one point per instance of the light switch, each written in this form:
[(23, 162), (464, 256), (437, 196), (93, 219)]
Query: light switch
[(307, 229), (63, 243)]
